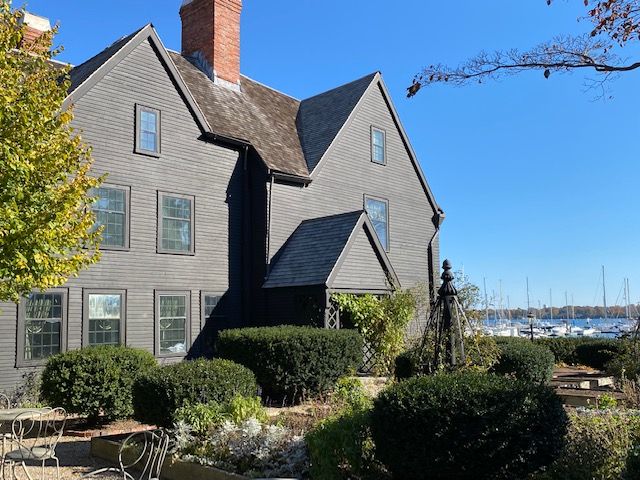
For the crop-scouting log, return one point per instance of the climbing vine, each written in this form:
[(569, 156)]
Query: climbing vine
[(382, 321)]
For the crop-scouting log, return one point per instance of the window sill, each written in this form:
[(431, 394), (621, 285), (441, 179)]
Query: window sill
[(113, 249), (170, 252), (147, 153)]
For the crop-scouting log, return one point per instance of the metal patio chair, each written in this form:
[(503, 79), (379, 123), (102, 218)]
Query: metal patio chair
[(142, 454), (5, 437), (34, 437)]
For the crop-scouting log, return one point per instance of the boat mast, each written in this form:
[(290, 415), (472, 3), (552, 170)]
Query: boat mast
[(566, 302), (573, 308), (550, 305), (626, 298), (486, 300), (528, 301), (604, 294)]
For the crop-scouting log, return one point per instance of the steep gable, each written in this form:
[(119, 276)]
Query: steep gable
[(336, 248), (89, 73), (321, 117)]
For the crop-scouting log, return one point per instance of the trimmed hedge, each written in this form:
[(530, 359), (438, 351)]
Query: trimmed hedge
[(293, 362), (598, 353), (467, 425), (525, 360), (564, 348), (161, 391), (406, 364), (95, 380)]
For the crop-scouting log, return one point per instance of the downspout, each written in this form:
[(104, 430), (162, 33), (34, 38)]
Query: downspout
[(269, 205), (247, 238), (432, 275)]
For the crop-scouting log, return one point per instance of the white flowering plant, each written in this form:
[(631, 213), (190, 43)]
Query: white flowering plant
[(249, 448)]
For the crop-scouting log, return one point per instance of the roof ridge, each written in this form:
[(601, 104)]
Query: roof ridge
[(334, 215), (132, 34), (270, 88), (372, 74)]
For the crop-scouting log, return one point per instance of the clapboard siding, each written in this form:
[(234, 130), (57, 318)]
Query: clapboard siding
[(347, 174), (361, 268), (105, 116)]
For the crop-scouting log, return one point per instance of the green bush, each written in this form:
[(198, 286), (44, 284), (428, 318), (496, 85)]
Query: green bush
[(598, 353), (525, 361), (626, 364), (467, 425), (563, 348), (599, 446), (293, 362), (160, 392), (481, 352), (407, 364), (95, 380), (204, 417), (340, 447)]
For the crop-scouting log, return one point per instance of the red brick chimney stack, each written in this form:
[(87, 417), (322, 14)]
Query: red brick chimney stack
[(211, 34), (34, 27)]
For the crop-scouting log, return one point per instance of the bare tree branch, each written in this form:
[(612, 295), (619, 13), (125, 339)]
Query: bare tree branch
[(615, 23)]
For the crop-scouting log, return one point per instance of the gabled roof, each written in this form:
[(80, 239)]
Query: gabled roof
[(292, 137), (321, 117), (258, 114), (87, 74), (315, 250)]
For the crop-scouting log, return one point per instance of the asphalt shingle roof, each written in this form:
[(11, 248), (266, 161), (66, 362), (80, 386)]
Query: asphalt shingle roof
[(312, 250), (321, 117)]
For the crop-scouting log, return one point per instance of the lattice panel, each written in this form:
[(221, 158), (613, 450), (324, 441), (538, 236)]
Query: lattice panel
[(333, 316), (368, 359)]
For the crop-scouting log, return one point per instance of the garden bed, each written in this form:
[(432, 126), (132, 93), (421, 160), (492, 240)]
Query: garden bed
[(107, 448)]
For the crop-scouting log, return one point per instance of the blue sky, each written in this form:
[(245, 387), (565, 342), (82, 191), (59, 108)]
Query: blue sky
[(536, 178)]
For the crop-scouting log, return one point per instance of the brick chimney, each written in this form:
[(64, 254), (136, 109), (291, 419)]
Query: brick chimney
[(211, 35), (34, 27)]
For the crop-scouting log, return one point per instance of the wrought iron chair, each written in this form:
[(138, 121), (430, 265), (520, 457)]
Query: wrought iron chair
[(5, 437), (142, 453), (35, 433)]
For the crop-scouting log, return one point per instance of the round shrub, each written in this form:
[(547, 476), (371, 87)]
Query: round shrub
[(525, 361), (467, 425), (626, 362), (564, 348), (597, 353), (95, 380), (161, 391), (293, 362), (406, 364)]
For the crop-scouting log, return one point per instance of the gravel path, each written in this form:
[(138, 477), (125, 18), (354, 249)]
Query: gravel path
[(75, 461)]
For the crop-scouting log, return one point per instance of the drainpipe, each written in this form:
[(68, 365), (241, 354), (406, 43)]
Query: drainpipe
[(269, 204), (439, 218), (246, 238)]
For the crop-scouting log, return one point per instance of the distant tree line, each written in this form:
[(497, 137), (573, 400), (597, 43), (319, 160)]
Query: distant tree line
[(580, 312)]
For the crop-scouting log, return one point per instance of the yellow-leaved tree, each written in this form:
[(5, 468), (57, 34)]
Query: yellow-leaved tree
[(46, 223)]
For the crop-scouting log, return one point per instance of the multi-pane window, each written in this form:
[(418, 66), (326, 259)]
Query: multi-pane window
[(378, 146), (43, 318), (378, 211), (173, 323), (104, 318), (110, 208), (175, 223), (211, 307), (148, 130)]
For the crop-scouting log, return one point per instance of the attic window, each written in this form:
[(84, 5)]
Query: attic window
[(378, 147), (147, 130)]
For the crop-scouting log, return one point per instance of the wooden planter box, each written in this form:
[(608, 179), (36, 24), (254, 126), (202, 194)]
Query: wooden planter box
[(107, 449)]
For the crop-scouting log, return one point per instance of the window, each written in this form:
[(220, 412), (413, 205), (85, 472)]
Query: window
[(378, 150), (104, 317), (378, 211), (210, 308), (111, 210), (175, 223), (172, 323), (42, 318), (147, 130)]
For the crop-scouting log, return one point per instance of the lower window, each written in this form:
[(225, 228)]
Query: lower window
[(42, 318), (104, 315), (172, 323)]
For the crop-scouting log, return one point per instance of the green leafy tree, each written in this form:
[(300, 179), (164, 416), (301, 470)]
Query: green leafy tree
[(46, 233)]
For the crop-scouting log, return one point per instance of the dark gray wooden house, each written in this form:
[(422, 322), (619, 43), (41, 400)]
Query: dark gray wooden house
[(227, 203)]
